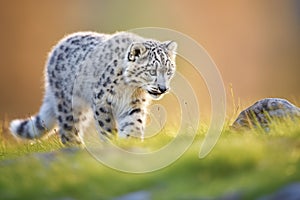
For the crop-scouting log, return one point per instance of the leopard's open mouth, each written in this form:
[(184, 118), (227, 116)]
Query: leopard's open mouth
[(155, 94)]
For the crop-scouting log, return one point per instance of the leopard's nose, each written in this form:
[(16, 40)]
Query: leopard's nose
[(162, 88)]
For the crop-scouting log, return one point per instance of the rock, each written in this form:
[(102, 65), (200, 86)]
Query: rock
[(140, 195), (231, 196), (264, 111), (289, 192)]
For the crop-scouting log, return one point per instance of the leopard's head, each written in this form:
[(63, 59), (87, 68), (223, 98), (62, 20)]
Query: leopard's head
[(150, 65)]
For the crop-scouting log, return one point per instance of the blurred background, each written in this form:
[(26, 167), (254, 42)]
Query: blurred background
[(255, 44)]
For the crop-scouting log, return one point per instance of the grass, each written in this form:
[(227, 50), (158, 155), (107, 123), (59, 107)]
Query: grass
[(251, 164)]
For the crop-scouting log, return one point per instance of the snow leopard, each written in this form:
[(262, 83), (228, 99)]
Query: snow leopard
[(106, 78)]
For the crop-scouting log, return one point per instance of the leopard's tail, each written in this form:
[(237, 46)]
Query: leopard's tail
[(35, 126)]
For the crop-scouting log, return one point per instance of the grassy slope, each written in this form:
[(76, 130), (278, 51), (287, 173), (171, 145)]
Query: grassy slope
[(252, 164)]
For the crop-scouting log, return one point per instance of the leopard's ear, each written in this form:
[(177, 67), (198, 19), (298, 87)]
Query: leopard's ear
[(136, 50), (171, 46)]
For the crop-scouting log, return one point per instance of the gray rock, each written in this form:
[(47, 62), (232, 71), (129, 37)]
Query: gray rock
[(140, 195), (264, 111), (231, 196), (289, 192)]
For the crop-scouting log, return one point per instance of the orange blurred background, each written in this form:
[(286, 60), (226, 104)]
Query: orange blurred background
[(255, 44)]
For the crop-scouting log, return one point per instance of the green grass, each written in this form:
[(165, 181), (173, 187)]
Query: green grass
[(253, 164)]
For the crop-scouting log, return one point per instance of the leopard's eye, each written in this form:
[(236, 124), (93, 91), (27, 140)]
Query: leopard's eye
[(152, 68), (169, 72), (152, 72)]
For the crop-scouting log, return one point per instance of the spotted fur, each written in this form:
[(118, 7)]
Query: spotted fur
[(111, 77)]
